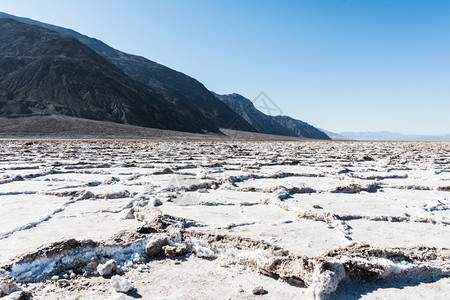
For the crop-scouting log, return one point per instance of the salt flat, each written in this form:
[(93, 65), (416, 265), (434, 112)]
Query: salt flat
[(215, 219)]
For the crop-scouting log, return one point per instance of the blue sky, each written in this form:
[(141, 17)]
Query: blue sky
[(343, 65)]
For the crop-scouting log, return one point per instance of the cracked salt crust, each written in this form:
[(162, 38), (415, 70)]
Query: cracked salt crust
[(306, 198)]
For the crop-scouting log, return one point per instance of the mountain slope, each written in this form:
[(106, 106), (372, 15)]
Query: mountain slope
[(174, 84), (301, 128), (269, 124), (44, 72), (245, 108)]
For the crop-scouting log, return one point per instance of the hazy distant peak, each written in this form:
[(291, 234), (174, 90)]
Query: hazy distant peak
[(392, 136)]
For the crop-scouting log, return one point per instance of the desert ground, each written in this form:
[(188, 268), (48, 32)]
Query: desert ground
[(166, 219)]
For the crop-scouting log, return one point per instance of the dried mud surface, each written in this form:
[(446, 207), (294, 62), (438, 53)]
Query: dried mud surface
[(112, 219)]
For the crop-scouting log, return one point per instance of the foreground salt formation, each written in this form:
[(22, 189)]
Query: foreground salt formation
[(314, 220)]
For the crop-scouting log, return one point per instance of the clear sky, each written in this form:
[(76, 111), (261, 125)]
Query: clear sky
[(342, 65)]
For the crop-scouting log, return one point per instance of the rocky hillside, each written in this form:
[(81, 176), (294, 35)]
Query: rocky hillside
[(280, 125), (301, 128), (44, 72), (262, 122), (176, 86)]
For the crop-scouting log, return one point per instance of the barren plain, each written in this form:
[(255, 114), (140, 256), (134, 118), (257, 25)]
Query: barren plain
[(124, 219)]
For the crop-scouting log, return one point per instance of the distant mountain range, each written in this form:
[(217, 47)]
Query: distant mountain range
[(279, 125), (50, 70), (301, 128), (392, 136)]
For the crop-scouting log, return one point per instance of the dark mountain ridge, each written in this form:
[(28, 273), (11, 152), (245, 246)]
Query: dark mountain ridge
[(280, 125), (301, 128), (44, 72), (175, 85), (245, 108)]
